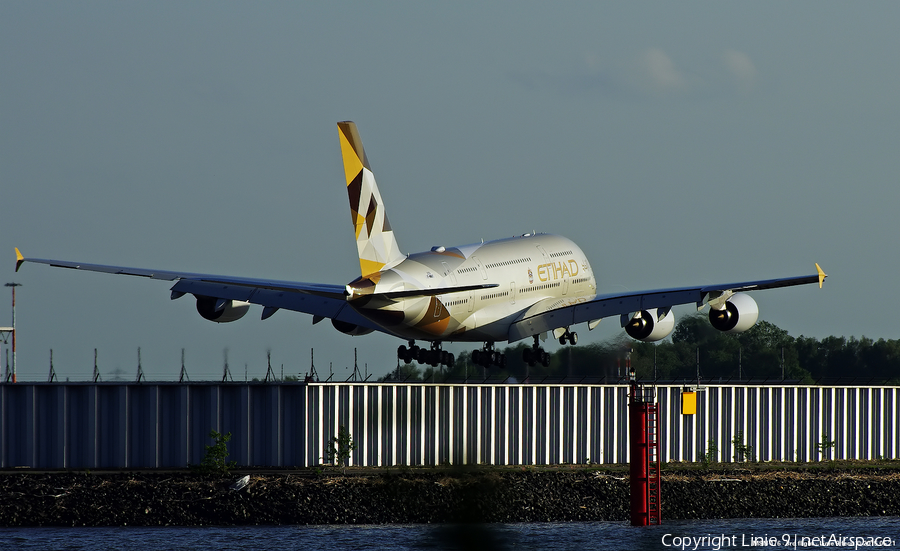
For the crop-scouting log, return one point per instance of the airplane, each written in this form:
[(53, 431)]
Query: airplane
[(505, 290)]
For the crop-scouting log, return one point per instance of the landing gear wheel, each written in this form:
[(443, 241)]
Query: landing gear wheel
[(536, 354), (570, 337), (488, 357)]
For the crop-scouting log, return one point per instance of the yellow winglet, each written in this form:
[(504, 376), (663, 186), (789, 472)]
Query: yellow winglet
[(822, 275), (19, 259)]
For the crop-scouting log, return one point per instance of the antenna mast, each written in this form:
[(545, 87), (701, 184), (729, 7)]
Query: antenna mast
[(96, 369), (313, 376), (52, 376), (140, 373), (226, 373), (269, 372), (184, 374)]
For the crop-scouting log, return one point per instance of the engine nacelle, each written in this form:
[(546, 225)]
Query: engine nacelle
[(738, 315), (647, 326), (350, 328), (228, 310)]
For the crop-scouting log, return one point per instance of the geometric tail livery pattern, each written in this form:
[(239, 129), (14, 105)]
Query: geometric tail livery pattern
[(375, 239)]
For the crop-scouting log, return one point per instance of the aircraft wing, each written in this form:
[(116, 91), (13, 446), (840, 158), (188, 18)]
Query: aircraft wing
[(317, 299), (563, 312)]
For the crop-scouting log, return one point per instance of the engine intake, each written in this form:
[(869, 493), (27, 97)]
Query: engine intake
[(648, 326), (221, 310), (739, 314)]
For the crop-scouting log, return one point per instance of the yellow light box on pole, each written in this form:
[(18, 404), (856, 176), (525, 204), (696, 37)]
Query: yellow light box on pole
[(688, 402)]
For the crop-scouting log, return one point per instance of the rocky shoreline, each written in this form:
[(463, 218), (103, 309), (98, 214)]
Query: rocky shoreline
[(433, 496)]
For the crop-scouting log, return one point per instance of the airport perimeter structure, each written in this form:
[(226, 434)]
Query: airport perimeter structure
[(167, 425)]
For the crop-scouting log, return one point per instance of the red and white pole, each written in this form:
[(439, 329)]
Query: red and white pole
[(637, 422), (643, 425)]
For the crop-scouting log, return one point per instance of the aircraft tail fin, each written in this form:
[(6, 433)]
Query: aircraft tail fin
[(375, 239)]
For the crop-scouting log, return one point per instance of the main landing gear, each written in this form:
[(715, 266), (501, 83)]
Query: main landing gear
[(536, 354), (433, 357), (488, 357)]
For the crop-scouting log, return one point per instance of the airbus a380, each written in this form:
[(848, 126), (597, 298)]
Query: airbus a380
[(504, 290)]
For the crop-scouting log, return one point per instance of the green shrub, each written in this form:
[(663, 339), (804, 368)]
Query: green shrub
[(214, 460), (742, 452), (339, 449)]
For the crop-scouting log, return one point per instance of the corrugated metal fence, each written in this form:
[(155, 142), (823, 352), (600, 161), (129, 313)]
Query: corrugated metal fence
[(112, 425)]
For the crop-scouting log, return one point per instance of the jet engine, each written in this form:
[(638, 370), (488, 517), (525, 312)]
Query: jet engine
[(651, 325), (350, 328), (221, 310), (738, 314)]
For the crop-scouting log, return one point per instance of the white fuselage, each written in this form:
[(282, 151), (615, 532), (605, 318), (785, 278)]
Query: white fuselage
[(531, 273)]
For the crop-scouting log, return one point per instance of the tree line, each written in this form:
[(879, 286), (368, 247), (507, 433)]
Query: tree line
[(763, 353)]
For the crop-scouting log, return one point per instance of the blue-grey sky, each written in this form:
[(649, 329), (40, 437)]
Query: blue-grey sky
[(676, 143)]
